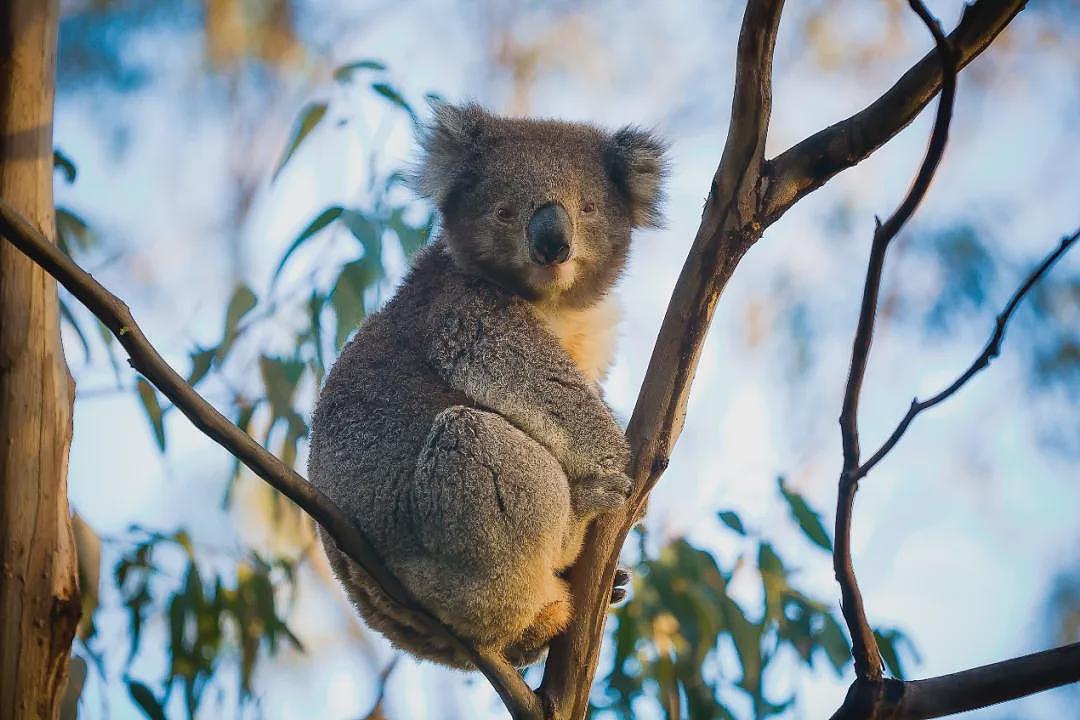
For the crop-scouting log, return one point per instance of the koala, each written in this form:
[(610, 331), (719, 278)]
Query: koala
[(463, 427)]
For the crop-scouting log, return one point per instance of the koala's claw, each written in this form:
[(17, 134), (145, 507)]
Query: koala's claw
[(600, 493), (618, 589)]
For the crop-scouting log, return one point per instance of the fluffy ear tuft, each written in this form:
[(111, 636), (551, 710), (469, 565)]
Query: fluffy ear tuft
[(445, 143), (635, 161)]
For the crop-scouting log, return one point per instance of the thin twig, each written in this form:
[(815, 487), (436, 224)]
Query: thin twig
[(864, 646), (809, 164), (991, 351), (116, 316), (376, 712)]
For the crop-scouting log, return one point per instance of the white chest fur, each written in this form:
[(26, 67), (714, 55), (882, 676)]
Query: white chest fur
[(587, 335)]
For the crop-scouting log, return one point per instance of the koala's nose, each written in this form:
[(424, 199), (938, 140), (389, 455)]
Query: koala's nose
[(549, 234)]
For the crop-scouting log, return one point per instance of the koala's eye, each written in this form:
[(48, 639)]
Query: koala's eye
[(504, 213), (588, 208)]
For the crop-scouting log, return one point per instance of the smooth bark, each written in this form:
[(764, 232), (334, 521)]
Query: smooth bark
[(39, 597)]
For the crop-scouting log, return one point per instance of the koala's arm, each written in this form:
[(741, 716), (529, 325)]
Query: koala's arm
[(494, 351)]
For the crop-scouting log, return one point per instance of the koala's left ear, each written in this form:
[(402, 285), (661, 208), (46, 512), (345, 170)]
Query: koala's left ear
[(446, 143), (634, 159)]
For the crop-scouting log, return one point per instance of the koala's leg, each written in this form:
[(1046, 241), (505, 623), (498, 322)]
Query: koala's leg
[(492, 510)]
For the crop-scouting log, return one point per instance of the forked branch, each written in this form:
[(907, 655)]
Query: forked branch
[(864, 646), (991, 351), (812, 162), (116, 316), (745, 196)]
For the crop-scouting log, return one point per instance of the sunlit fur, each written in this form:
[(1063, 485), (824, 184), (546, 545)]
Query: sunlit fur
[(463, 428)]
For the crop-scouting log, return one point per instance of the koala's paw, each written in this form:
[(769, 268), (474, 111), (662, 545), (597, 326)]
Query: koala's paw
[(600, 493), (618, 588)]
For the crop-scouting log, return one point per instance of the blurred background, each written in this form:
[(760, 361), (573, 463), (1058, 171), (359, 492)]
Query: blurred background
[(231, 169)]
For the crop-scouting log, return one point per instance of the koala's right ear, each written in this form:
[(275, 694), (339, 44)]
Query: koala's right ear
[(445, 144), (636, 164)]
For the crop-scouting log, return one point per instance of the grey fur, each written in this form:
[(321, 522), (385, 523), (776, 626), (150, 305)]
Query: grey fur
[(454, 428)]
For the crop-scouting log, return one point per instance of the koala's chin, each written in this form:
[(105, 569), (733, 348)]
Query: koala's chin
[(462, 428), (549, 282)]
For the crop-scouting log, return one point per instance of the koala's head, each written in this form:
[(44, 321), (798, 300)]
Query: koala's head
[(541, 207)]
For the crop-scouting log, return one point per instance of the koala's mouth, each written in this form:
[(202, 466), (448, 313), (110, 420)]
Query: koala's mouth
[(549, 234)]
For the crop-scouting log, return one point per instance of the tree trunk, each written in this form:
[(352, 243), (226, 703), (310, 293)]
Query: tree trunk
[(39, 596)]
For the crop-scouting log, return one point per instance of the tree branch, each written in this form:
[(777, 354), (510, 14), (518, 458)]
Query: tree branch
[(864, 646), (116, 316), (962, 691), (729, 227), (808, 165), (991, 351)]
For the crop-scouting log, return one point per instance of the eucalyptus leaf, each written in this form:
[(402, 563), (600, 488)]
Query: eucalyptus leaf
[(72, 231), (347, 297), (732, 520), (809, 520), (321, 220), (310, 117), (201, 362), (344, 73), (65, 312), (834, 642), (149, 399), (146, 701), (395, 98), (65, 165)]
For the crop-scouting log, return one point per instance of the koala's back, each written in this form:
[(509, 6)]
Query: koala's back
[(380, 388), (373, 416)]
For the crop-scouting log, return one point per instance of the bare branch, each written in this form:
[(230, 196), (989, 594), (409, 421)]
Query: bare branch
[(864, 646), (728, 228), (962, 691), (116, 316), (990, 684), (991, 351), (808, 165)]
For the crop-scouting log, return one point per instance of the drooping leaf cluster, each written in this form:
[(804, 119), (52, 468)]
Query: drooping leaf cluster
[(684, 643)]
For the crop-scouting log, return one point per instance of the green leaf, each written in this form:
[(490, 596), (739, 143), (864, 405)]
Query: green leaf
[(88, 555), (367, 232), (834, 642), (280, 377), (323, 219), (395, 98), (244, 416), (146, 701), (315, 307), (809, 520), (747, 638), (242, 302), (888, 643), (69, 704), (65, 165), (310, 117), (344, 73), (411, 238), (72, 231), (347, 297), (732, 520), (66, 313), (773, 579), (150, 404), (201, 361)]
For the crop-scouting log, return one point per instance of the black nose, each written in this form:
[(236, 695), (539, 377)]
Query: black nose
[(549, 235)]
